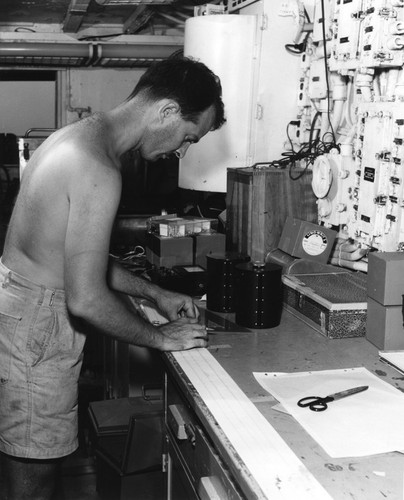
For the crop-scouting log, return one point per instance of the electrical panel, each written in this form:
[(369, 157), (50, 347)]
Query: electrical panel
[(350, 117), (378, 201)]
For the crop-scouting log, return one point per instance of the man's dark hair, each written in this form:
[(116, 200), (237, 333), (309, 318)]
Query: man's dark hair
[(188, 82)]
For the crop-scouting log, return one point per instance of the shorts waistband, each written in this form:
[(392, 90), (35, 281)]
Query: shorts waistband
[(49, 296)]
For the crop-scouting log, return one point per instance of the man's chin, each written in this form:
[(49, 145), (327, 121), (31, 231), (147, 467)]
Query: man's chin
[(151, 158)]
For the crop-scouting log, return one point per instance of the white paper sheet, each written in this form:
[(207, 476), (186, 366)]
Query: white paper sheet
[(394, 359), (366, 423)]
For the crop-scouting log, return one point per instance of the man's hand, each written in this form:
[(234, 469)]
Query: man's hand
[(176, 305), (183, 334)]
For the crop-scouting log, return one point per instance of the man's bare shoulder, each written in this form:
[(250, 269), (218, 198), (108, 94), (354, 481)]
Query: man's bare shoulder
[(79, 146), (88, 134)]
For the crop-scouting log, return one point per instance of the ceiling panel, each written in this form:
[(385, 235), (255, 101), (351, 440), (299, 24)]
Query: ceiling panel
[(161, 14)]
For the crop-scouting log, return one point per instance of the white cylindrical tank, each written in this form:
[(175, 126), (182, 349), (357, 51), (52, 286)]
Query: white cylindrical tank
[(226, 44)]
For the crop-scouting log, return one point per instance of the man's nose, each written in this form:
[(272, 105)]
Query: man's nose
[(180, 152)]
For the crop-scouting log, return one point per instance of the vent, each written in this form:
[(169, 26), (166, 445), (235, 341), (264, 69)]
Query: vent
[(234, 5), (147, 50)]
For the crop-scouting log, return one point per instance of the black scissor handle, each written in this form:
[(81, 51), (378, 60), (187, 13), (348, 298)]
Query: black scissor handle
[(315, 403)]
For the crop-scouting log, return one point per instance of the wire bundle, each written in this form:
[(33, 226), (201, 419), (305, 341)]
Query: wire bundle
[(307, 153)]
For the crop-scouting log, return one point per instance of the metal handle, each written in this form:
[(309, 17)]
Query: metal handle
[(36, 130), (209, 489)]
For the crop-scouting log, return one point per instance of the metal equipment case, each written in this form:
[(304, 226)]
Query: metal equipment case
[(332, 303)]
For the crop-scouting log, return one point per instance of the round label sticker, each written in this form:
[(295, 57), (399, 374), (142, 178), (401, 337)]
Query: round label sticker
[(314, 242)]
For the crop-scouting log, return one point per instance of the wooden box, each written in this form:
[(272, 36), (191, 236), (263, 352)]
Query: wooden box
[(258, 202)]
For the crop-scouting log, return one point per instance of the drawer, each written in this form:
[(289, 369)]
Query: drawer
[(213, 478), (180, 485), (193, 449)]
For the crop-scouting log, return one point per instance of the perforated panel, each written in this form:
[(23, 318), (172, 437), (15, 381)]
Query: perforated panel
[(340, 288)]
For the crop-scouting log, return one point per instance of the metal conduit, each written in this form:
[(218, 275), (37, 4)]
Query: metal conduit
[(18, 49), (88, 53)]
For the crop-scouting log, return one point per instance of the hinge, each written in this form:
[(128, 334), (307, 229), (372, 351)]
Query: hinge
[(264, 22), (164, 462), (259, 112)]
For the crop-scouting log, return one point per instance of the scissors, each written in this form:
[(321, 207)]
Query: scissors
[(316, 403)]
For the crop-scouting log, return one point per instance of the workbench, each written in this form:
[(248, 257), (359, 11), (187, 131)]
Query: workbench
[(293, 346)]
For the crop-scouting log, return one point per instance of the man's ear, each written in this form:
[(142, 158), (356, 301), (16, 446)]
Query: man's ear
[(168, 110)]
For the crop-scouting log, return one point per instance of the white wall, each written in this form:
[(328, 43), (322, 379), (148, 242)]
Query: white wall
[(277, 81), (95, 89), (45, 104), (25, 105)]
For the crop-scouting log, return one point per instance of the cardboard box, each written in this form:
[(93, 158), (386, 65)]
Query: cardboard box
[(384, 327), (306, 240), (168, 252), (207, 244), (386, 277)]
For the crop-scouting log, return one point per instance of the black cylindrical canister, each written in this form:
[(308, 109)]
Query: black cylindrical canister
[(259, 295), (220, 283)]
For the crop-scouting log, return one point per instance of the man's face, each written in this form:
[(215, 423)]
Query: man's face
[(174, 135)]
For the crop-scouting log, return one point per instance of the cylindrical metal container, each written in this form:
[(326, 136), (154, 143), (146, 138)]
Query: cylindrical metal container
[(227, 45), (259, 295), (220, 286)]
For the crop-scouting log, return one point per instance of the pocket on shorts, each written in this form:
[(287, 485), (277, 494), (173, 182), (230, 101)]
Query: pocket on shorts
[(8, 327), (40, 333)]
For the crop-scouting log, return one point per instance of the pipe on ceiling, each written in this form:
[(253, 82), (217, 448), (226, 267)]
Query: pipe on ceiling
[(37, 49), (138, 51), (90, 53)]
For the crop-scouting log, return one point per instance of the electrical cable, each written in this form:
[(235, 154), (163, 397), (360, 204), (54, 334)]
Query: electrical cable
[(315, 146), (307, 153), (22, 29), (97, 37), (326, 68), (299, 48)]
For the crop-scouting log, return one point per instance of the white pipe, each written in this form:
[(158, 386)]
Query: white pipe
[(41, 49), (357, 266), (145, 49), (337, 115), (348, 105)]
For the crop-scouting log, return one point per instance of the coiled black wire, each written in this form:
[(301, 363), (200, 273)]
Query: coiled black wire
[(307, 153)]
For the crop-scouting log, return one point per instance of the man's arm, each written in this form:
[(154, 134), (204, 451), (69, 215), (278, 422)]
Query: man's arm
[(94, 197), (173, 305)]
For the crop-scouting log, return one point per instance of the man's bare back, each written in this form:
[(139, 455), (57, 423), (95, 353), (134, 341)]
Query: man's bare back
[(35, 244)]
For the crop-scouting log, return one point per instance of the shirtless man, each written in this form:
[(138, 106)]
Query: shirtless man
[(56, 276)]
